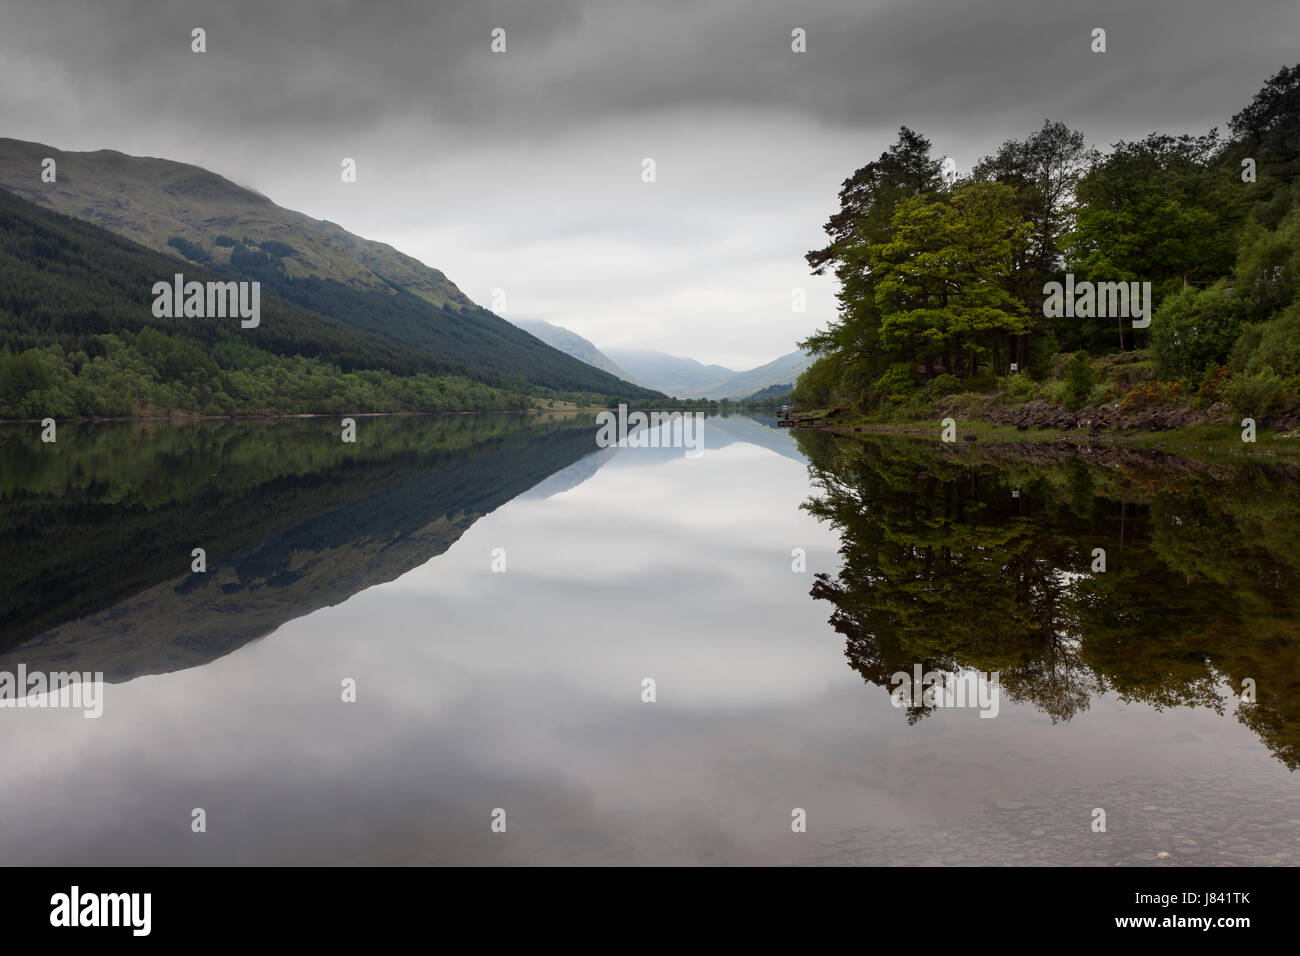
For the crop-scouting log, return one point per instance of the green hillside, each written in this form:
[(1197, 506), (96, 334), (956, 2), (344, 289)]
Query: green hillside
[(78, 338), (150, 200), (179, 209)]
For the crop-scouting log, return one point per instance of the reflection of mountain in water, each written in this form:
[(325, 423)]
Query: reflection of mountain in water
[(720, 431), (572, 476), (760, 430), (946, 568), (317, 522)]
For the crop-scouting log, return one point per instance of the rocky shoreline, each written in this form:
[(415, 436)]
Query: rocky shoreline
[(1095, 419)]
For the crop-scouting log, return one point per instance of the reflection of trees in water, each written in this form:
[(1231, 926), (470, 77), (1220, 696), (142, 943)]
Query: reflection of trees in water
[(944, 567), (117, 510)]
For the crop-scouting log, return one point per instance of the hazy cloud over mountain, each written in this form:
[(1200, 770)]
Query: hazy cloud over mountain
[(521, 171)]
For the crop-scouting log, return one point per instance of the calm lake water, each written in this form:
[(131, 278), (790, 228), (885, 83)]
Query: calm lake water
[(499, 589)]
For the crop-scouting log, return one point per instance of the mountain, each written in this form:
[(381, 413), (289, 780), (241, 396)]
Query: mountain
[(189, 212), (670, 374), (571, 343), (78, 337), (781, 371), (772, 393), (151, 200), (687, 378)]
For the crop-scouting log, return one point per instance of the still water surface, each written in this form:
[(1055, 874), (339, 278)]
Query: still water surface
[(522, 689)]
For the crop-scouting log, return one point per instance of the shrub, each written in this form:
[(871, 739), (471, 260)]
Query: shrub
[(964, 402), (1213, 382), (1079, 380), (816, 385), (942, 385), (1052, 392), (897, 385), (1255, 393), (1267, 276), (1150, 394), (1273, 344), (1018, 388), (1194, 328)]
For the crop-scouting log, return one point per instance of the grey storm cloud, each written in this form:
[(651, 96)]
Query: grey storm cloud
[(304, 64), (521, 170)]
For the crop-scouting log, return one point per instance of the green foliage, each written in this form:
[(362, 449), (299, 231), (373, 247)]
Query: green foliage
[(1275, 344), (943, 385), (1124, 371), (868, 201), (816, 385), (1052, 391), (1255, 393), (1271, 122), (897, 385), (1195, 328), (1158, 210), (150, 373), (985, 380), (951, 276), (1017, 388), (1213, 382), (941, 279), (1079, 380), (1267, 276), (254, 264), (772, 395)]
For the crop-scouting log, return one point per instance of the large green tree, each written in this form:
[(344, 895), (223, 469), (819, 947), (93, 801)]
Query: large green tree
[(1159, 210), (1044, 171), (943, 280), (850, 344)]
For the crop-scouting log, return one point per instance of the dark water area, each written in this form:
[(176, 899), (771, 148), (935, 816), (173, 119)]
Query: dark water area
[(497, 594)]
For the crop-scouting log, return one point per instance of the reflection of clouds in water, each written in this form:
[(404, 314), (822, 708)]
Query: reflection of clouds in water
[(522, 690), (684, 566), (473, 675)]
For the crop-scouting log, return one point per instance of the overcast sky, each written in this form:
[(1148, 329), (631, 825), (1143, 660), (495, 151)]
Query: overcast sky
[(521, 170)]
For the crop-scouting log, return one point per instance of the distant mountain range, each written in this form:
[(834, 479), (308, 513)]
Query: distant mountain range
[(779, 371), (571, 343), (679, 377), (190, 214), (671, 374)]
